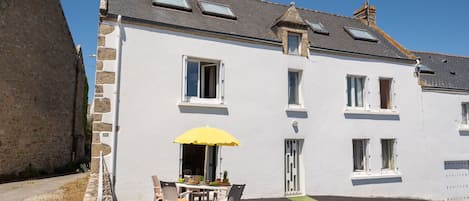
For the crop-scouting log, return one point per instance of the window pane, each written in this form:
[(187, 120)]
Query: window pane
[(465, 115), (359, 155), (361, 34), (349, 91), (387, 148), (209, 81), (178, 3), (358, 92), (293, 43), (293, 81), (385, 93), (192, 78), (216, 8)]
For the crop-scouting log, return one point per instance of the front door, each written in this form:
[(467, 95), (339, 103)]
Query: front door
[(292, 167)]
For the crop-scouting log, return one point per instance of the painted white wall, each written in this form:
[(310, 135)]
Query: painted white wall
[(256, 98)]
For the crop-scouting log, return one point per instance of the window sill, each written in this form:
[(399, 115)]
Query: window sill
[(352, 111), (295, 109), (464, 128), (203, 105), (360, 176)]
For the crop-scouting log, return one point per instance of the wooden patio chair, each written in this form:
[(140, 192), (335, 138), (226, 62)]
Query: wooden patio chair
[(156, 188), (169, 192), (235, 193)]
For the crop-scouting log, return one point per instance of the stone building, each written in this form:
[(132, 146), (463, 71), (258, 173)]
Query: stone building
[(42, 88)]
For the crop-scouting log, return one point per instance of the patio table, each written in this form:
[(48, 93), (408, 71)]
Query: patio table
[(203, 188)]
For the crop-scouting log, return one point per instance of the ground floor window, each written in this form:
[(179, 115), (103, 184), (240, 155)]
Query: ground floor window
[(199, 160), (387, 149), (360, 158)]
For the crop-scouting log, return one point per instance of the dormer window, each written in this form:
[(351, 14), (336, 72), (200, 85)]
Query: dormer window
[(294, 43), (176, 4)]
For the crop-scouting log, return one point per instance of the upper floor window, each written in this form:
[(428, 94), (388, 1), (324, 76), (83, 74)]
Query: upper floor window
[(465, 114), (387, 154), (360, 155), (385, 93), (355, 88), (294, 80), (202, 80), (294, 43)]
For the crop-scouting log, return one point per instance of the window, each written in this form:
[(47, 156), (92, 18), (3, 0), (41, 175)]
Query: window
[(317, 28), (177, 4), (385, 93), (293, 43), (355, 87), (216, 9), (294, 79), (465, 114), (387, 154), (360, 155), (361, 34), (202, 80)]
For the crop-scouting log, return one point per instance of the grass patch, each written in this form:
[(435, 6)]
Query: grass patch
[(75, 190), (301, 198)]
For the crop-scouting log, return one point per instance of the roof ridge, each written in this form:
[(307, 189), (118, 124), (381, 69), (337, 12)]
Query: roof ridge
[(439, 53), (307, 9)]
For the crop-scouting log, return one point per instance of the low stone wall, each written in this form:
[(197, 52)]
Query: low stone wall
[(91, 193)]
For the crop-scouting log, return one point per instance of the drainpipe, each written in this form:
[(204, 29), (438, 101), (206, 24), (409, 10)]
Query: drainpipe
[(116, 100)]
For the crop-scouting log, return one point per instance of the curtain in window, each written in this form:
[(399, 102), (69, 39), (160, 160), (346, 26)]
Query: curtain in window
[(387, 148), (293, 78), (192, 78), (358, 92), (349, 91), (293, 43), (465, 115), (359, 151)]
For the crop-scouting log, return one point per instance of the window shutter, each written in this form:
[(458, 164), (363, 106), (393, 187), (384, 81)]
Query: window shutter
[(222, 82), (184, 78)]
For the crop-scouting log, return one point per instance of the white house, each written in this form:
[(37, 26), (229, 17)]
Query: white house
[(322, 104)]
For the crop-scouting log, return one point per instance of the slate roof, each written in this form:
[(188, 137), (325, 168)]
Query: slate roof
[(450, 72), (255, 19)]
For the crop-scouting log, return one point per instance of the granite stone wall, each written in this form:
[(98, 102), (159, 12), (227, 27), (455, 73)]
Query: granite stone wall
[(41, 88)]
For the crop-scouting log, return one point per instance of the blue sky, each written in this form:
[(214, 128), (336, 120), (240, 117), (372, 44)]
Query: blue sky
[(426, 25)]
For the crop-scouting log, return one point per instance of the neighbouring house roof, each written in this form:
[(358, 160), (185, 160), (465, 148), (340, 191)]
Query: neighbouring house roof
[(449, 72), (255, 19)]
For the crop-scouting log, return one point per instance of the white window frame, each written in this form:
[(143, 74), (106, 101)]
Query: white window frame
[(219, 82), (394, 156), (465, 115), (300, 89), (366, 157), (299, 35), (364, 92)]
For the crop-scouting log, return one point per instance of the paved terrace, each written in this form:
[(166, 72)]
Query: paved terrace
[(331, 198)]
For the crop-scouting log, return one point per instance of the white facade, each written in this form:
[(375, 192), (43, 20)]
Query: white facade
[(255, 110)]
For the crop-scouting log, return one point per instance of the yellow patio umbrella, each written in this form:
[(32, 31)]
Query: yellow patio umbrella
[(207, 136)]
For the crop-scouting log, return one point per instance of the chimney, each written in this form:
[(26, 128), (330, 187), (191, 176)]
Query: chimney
[(366, 13)]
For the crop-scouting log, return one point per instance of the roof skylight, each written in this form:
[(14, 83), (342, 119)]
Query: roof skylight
[(177, 4), (216, 9), (317, 27), (361, 34)]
